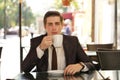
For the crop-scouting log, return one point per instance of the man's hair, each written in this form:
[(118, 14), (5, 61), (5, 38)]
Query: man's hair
[(52, 13)]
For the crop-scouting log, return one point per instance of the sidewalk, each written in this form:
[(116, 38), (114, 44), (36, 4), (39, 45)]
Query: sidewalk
[(10, 57)]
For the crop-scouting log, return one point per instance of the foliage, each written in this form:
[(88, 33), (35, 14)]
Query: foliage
[(59, 6), (75, 4), (11, 8), (1, 13)]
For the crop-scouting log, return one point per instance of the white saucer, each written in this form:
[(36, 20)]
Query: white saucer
[(55, 72)]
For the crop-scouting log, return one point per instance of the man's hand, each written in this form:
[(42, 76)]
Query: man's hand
[(72, 69), (46, 42)]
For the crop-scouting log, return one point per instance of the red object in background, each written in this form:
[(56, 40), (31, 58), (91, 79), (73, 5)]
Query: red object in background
[(67, 15), (66, 2)]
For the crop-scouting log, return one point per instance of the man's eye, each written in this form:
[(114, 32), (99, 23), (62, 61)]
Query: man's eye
[(57, 23), (49, 24)]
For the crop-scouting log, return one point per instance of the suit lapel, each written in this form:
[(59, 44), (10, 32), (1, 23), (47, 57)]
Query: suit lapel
[(45, 59)]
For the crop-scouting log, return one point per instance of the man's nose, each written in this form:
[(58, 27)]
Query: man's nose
[(53, 27)]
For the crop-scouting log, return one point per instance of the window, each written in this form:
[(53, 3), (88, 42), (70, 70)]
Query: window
[(118, 24), (84, 22)]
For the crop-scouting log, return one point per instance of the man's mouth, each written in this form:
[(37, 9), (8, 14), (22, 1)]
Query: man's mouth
[(54, 32)]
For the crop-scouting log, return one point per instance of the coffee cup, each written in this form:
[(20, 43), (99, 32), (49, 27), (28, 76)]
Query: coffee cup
[(57, 40)]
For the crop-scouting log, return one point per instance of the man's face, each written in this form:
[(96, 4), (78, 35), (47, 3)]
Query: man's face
[(53, 25)]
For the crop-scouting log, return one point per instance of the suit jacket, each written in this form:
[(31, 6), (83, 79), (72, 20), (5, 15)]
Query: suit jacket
[(74, 53)]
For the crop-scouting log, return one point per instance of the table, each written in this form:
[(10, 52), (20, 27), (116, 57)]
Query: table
[(94, 75), (91, 53), (47, 76)]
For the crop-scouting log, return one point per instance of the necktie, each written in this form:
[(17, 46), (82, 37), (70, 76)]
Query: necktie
[(54, 59)]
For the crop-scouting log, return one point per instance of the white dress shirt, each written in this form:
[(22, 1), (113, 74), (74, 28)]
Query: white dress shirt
[(60, 57), (61, 63)]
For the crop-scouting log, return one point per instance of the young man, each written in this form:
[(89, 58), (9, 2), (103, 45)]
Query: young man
[(70, 56)]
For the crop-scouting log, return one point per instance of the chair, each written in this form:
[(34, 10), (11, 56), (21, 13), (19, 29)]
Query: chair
[(94, 47), (109, 59), (0, 51), (0, 58)]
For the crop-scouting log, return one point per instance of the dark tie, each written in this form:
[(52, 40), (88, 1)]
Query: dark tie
[(54, 59)]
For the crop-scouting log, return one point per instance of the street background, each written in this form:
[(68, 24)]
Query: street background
[(10, 57)]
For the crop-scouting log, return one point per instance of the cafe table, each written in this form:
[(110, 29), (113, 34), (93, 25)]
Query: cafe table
[(57, 75), (91, 53)]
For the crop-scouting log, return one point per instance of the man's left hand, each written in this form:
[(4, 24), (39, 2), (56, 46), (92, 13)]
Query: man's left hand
[(72, 69)]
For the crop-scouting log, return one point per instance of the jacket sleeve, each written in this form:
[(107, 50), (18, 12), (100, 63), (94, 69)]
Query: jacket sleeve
[(31, 59), (82, 56)]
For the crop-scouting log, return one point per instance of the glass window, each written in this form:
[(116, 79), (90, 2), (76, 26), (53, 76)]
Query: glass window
[(118, 24)]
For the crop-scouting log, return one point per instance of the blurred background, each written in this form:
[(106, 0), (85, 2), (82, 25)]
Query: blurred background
[(92, 21)]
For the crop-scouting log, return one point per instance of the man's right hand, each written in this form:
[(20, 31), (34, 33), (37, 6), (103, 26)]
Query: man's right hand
[(46, 42)]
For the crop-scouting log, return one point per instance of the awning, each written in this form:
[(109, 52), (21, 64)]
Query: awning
[(67, 15)]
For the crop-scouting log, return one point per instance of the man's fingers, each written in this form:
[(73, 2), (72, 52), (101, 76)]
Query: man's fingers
[(69, 70)]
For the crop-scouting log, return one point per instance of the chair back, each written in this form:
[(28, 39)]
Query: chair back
[(0, 51), (94, 47), (109, 60)]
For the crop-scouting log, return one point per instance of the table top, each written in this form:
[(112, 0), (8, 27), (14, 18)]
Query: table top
[(47, 76), (91, 53), (94, 75)]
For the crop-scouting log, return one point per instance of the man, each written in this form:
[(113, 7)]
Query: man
[(72, 58), (67, 27)]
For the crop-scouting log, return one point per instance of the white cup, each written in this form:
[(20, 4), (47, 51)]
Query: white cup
[(57, 40)]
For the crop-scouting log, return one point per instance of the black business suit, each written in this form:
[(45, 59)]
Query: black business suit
[(73, 54)]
